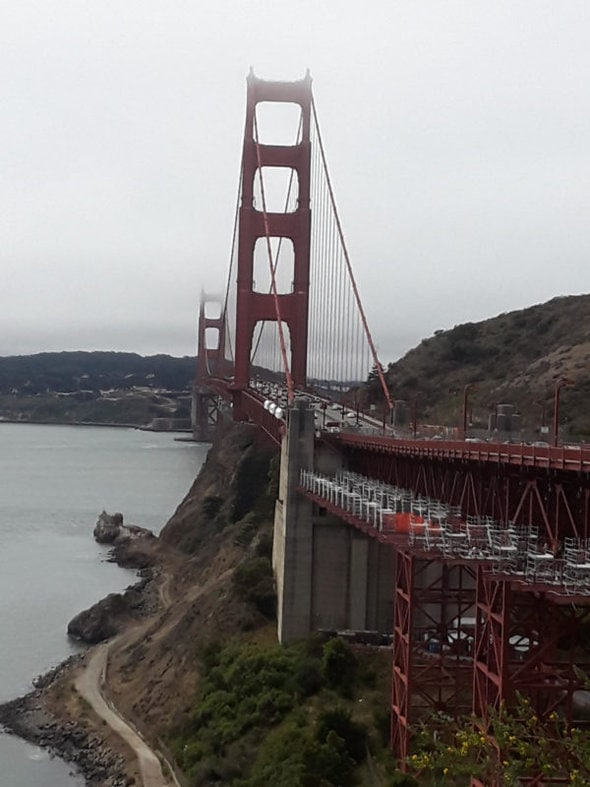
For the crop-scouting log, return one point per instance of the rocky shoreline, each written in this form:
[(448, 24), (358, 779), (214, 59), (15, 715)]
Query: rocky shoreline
[(71, 739)]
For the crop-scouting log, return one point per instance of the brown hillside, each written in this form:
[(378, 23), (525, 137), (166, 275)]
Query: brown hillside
[(513, 358), (218, 525)]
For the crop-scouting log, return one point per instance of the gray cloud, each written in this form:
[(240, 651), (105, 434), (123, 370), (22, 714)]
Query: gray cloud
[(456, 134)]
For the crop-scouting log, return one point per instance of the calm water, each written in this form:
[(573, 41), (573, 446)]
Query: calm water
[(54, 481)]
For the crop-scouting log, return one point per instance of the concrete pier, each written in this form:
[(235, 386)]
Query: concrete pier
[(328, 574)]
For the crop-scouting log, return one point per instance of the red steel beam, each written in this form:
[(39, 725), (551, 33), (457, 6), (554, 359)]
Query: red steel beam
[(574, 459), (557, 500)]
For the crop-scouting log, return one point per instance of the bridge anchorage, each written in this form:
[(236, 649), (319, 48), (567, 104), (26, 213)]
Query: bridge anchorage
[(473, 558)]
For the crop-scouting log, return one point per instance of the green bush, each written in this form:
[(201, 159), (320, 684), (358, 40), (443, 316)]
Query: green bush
[(353, 733), (211, 505), (257, 722), (339, 666), (292, 757), (308, 676), (245, 689), (254, 581)]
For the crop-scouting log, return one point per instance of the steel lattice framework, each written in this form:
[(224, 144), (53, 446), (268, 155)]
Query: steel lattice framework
[(526, 631), (511, 483)]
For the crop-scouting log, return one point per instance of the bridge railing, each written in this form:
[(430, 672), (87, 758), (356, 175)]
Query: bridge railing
[(566, 458), (431, 527)]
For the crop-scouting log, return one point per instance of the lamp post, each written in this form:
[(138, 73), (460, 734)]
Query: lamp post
[(542, 404), (414, 414), (559, 384), (466, 389)]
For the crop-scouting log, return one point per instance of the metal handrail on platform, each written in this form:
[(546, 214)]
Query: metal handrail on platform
[(430, 526)]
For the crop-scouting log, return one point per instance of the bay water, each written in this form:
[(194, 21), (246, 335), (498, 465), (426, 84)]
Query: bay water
[(54, 481)]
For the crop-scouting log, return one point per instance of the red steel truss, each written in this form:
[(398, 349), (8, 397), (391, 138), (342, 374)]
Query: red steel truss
[(402, 654), (527, 641), (548, 487), (466, 635), (432, 642)]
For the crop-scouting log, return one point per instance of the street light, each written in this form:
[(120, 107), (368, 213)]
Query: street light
[(559, 384), (414, 402), (468, 387), (542, 404)]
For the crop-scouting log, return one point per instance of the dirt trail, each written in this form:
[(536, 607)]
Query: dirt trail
[(93, 678), (89, 684)]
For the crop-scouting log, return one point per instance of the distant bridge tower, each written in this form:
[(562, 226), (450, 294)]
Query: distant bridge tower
[(210, 362), (254, 223)]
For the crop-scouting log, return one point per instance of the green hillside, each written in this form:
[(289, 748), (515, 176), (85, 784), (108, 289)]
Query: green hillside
[(513, 358), (73, 371), (97, 388)]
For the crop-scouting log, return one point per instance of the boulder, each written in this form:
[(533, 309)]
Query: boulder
[(108, 528), (101, 621)]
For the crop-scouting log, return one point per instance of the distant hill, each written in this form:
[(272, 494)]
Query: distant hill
[(93, 371), (97, 388), (513, 358)]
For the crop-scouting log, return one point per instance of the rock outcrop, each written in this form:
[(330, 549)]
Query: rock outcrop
[(74, 742), (108, 528), (110, 615), (101, 621)]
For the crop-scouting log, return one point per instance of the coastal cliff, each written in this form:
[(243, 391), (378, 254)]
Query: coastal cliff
[(184, 597), (191, 660)]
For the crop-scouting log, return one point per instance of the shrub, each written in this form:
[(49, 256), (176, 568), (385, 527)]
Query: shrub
[(351, 732), (339, 666), (211, 505), (254, 580), (292, 757)]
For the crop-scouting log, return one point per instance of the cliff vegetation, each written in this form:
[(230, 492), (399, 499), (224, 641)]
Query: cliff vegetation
[(514, 358)]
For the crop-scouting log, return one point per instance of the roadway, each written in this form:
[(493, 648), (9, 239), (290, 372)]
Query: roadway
[(329, 415)]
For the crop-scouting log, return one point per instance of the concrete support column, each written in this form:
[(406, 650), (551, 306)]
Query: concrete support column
[(293, 529), (330, 574), (358, 581), (380, 586)]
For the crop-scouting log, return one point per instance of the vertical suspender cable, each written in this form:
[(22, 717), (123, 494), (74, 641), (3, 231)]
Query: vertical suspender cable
[(231, 264), (349, 267)]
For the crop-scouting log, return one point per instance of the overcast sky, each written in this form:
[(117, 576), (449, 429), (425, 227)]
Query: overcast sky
[(457, 136)]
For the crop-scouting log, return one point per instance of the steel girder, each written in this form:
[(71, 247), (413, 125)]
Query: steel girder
[(527, 643), (402, 655), (490, 648), (465, 638), (432, 668), (249, 406)]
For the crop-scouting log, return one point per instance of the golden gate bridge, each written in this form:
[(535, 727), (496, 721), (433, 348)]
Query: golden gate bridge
[(487, 546)]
